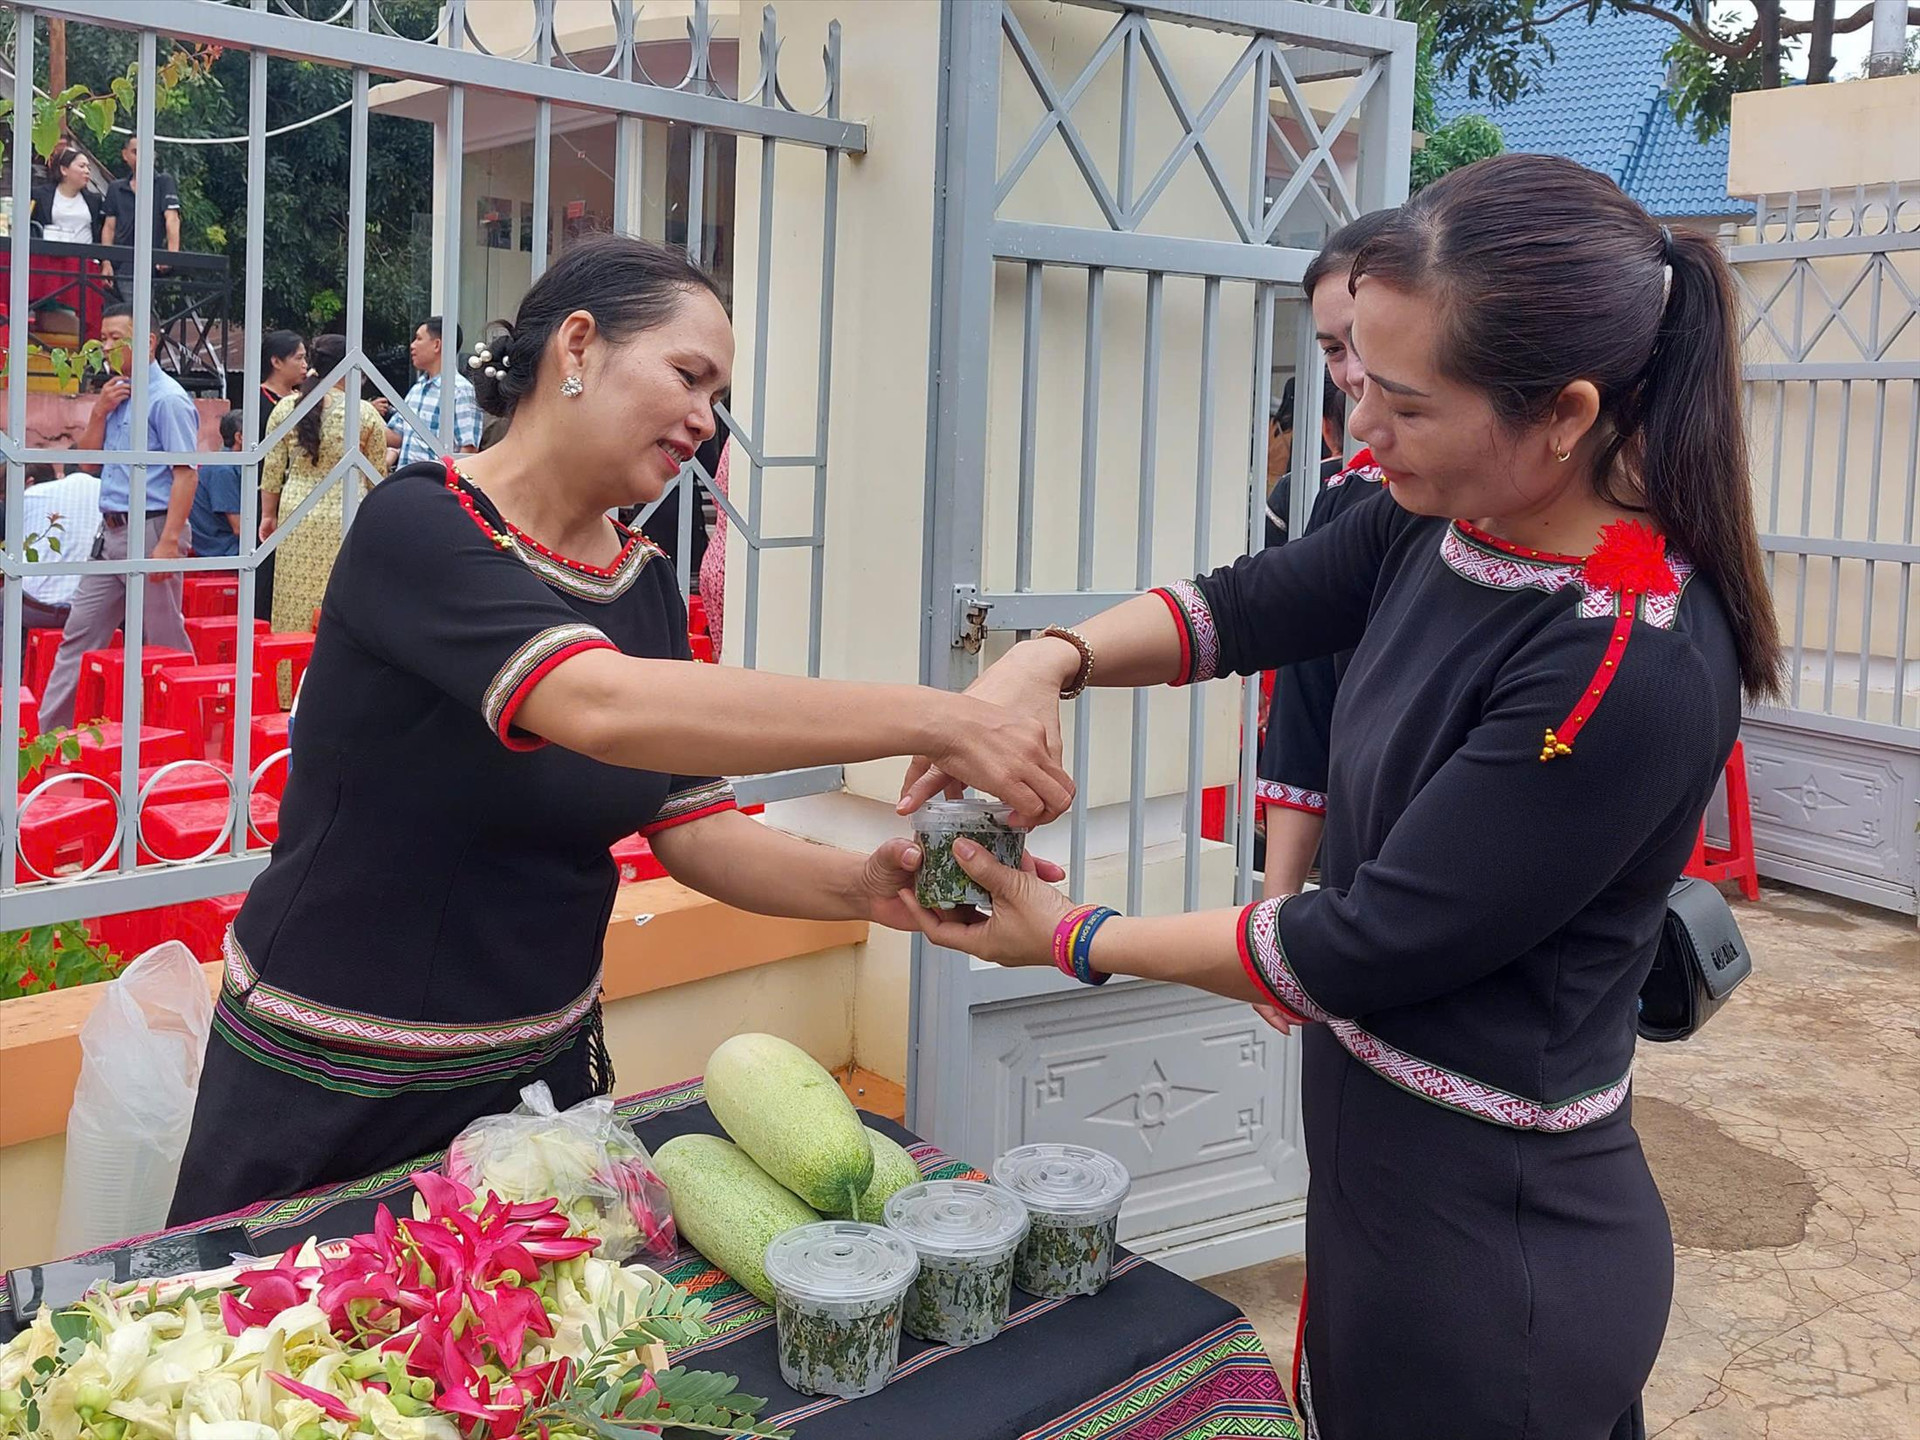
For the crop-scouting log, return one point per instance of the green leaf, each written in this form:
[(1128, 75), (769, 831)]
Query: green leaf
[(46, 128)]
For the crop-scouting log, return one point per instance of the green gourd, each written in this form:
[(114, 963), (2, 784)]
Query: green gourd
[(782, 1107), (893, 1170), (727, 1207)]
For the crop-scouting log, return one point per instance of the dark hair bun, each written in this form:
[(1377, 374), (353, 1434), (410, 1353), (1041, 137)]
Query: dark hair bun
[(500, 368)]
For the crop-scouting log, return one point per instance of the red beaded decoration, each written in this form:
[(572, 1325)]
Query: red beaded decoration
[(1507, 547), (1631, 561), (633, 538)]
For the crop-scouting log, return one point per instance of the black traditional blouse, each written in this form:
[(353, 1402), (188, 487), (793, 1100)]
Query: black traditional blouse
[(1515, 788), (1294, 751), (440, 889)]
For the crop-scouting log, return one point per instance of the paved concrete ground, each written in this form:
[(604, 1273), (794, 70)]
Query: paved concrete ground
[(1786, 1139)]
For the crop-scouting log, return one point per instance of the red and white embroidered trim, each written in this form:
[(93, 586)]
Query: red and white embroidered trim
[(525, 668), (1292, 797), (1260, 950), (712, 798), (1200, 641), (1367, 472), (1501, 569), (333, 1023)]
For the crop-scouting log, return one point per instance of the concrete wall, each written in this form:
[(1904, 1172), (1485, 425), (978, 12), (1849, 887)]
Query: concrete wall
[(1810, 137)]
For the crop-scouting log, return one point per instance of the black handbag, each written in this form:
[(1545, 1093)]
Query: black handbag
[(1701, 961)]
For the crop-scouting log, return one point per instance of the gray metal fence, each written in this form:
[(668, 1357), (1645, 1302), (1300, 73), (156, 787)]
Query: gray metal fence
[(1831, 285), (612, 79)]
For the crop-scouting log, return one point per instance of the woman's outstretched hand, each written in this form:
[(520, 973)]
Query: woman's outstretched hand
[(1026, 910), (996, 748), (888, 875), (1025, 683)]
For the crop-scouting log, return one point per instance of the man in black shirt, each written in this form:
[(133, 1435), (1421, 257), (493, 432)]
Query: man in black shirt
[(123, 206)]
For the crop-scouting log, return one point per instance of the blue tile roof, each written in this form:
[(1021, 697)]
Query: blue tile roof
[(1602, 102)]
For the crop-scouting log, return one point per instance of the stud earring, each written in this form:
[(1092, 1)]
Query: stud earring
[(571, 386)]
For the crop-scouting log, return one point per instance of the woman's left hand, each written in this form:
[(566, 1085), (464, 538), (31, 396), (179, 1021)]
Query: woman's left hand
[(885, 887), (1026, 910)]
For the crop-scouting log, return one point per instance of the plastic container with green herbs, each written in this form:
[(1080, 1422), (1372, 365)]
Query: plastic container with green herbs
[(941, 883), (966, 1234), (838, 1290), (1073, 1196)]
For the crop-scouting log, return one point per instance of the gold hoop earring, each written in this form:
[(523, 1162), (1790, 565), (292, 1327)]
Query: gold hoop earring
[(1563, 455)]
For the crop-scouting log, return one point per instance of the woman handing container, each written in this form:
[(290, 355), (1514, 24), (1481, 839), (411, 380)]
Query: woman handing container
[(499, 691), (1555, 610)]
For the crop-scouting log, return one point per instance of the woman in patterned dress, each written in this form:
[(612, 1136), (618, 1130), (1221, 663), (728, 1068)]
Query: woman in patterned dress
[(295, 468), (1540, 701)]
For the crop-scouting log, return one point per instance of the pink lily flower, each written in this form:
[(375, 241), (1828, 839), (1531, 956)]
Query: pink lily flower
[(335, 1408)]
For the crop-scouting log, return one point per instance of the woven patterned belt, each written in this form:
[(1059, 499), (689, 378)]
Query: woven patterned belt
[(363, 1054)]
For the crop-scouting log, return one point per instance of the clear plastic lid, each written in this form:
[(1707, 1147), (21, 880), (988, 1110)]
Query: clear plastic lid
[(956, 814), (957, 1219), (840, 1261), (1070, 1181)]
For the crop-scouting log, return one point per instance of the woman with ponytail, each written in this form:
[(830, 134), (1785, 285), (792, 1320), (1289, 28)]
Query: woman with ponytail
[(299, 465), (1556, 604)]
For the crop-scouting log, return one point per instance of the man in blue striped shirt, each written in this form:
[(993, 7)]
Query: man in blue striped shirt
[(429, 358)]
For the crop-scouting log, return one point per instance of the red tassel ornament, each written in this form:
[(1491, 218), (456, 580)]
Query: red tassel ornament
[(1630, 559)]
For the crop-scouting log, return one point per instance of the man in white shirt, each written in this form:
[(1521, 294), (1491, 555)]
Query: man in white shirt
[(69, 508)]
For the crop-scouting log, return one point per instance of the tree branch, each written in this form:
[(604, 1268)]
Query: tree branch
[(1858, 20), (1699, 35)]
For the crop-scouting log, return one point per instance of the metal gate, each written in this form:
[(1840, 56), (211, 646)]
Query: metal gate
[(1129, 192), (609, 79), (1832, 348)]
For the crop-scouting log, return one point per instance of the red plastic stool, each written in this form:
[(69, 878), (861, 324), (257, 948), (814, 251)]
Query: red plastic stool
[(100, 692), (133, 933), (269, 741), (197, 780), (635, 857), (203, 924), (1213, 813), (198, 700), (1736, 862), (158, 746), (281, 660), (193, 829), (210, 594), (696, 615), (702, 647), (216, 637), (62, 833), (42, 646), (29, 713)]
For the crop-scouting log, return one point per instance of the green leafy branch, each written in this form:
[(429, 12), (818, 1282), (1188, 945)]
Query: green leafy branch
[(617, 1394), (77, 108)]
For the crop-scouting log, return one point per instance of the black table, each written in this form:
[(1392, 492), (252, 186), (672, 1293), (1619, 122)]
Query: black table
[(1152, 1357)]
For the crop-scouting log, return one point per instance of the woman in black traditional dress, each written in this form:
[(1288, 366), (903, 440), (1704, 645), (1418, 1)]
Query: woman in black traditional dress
[(1292, 789), (1539, 704), (499, 691)]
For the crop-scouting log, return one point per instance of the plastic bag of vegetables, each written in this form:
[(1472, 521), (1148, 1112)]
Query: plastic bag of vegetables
[(586, 1157)]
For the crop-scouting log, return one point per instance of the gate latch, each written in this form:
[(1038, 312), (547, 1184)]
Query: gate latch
[(970, 619)]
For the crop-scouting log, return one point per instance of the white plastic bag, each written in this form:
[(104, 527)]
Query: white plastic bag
[(141, 1051), (587, 1158)]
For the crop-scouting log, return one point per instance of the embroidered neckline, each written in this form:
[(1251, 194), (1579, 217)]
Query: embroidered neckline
[(576, 577), (1477, 536)]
